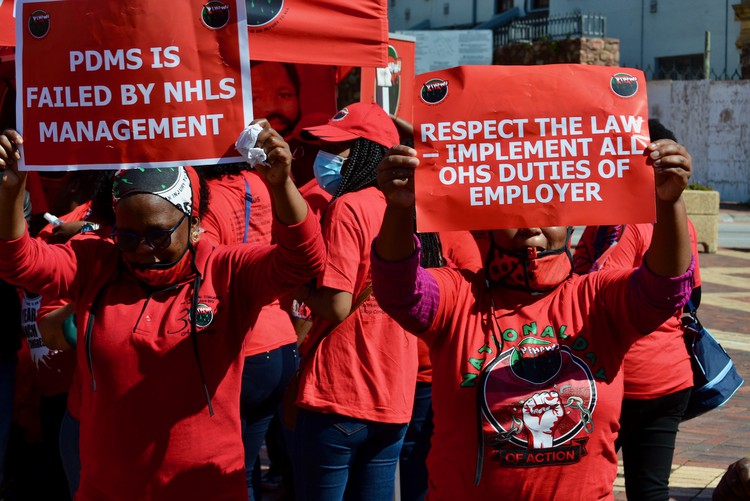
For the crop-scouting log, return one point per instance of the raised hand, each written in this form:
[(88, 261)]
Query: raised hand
[(673, 167), (396, 176), (278, 165), (9, 157)]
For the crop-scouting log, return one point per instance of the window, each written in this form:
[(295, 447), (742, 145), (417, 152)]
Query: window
[(688, 67), (393, 3), (446, 9), (503, 5), (537, 8), (654, 6), (407, 14)]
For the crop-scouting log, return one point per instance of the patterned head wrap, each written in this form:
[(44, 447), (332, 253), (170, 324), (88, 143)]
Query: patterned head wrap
[(177, 185)]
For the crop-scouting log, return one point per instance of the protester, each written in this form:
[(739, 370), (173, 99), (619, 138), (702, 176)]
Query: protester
[(526, 355), (241, 212), (56, 325), (162, 317), (657, 388), (357, 384)]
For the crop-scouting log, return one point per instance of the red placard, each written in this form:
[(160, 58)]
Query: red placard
[(396, 99), (153, 84), (331, 32), (7, 23), (531, 146)]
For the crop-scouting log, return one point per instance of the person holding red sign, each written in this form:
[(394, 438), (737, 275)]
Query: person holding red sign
[(525, 354), (162, 318)]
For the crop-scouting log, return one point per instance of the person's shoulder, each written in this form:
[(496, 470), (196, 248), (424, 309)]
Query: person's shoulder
[(356, 204), (473, 280)]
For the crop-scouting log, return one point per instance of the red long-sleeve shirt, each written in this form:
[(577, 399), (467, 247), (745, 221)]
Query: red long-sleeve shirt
[(145, 428)]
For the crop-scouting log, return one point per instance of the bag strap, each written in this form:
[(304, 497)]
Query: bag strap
[(361, 298)]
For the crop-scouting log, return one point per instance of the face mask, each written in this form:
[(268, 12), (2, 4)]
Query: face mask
[(160, 275), (327, 169), (531, 271)]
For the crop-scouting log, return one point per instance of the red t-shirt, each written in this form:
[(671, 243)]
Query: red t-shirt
[(317, 197), (462, 249), (145, 428), (549, 423), (367, 367), (646, 375), (236, 199)]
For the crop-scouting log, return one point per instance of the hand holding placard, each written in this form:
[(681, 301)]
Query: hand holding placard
[(673, 167), (396, 176)]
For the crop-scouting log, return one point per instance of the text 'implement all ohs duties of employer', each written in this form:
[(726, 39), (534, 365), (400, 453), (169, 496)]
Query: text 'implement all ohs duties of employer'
[(561, 149)]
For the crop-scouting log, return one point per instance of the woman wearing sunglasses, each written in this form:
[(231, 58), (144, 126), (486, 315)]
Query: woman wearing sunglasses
[(161, 320)]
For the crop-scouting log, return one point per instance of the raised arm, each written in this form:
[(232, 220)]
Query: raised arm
[(396, 180), (405, 290), (669, 253), (289, 205), (12, 222)]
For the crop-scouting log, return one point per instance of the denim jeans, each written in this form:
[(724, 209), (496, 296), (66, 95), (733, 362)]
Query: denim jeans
[(70, 454), (413, 467), (264, 379), (337, 457)]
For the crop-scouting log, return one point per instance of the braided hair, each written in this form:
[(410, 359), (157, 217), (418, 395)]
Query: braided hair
[(361, 171), (432, 251)]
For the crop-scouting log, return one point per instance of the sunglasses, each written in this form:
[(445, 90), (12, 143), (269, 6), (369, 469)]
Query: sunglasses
[(156, 239)]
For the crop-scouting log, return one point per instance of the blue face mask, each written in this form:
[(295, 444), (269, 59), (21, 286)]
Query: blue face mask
[(327, 169)]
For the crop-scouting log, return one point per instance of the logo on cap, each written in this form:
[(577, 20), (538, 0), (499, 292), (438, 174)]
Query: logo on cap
[(215, 14), (434, 91), (340, 115), (624, 85), (262, 12), (39, 24)]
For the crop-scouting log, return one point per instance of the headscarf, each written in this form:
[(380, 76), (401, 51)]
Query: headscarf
[(177, 185)]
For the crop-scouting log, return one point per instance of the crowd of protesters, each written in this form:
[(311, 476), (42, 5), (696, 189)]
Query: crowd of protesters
[(163, 310)]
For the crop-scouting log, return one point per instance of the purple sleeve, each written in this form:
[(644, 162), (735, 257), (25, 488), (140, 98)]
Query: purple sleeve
[(405, 290), (652, 295)]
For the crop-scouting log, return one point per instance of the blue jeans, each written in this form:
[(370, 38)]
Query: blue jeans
[(337, 457), (70, 454), (413, 467), (264, 379), (7, 379)]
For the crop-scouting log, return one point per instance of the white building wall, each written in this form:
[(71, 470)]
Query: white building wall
[(712, 119), (677, 28)]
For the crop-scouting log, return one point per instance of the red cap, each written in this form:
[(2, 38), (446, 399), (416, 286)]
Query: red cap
[(368, 121)]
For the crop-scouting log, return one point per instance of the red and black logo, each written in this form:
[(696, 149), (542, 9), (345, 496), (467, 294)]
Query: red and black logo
[(39, 24), (215, 14), (342, 113), (624, 85), (434, 91), (204, 315), (262, 12)]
